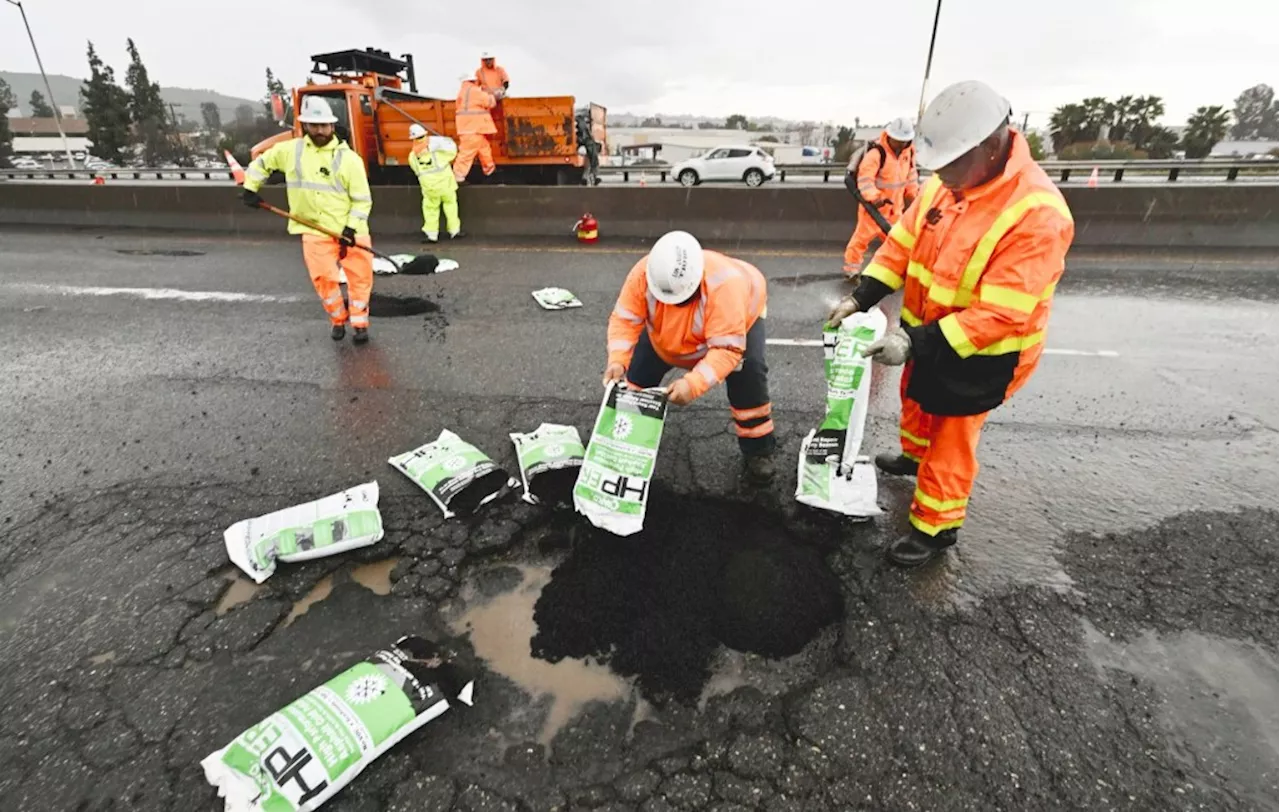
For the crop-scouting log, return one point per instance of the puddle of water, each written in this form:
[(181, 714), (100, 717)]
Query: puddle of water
[(319, 592), (240, 591), (501, 629), (102, 659), (375, 577)]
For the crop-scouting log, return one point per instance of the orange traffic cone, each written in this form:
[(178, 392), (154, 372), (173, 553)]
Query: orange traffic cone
[(643, 180), (237, 171), (1093, 178), (98, 180)]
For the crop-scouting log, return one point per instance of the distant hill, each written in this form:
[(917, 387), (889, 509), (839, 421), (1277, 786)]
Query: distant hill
[(66, 90)]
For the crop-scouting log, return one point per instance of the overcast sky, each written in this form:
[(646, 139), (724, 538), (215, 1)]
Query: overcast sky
[(827, 61)]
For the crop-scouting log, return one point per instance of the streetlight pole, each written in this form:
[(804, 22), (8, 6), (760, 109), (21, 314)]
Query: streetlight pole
[(928, 62), (57, 114)]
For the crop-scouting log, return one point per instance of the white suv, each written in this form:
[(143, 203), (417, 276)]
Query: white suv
[(751, 165)]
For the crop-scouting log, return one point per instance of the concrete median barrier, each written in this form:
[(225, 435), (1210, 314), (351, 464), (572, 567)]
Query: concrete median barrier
[(1164, 216)]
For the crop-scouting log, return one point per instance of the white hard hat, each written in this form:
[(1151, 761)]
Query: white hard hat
[(674, 269), (316, 110), (417, 131), (957, 120), (900, 129), (486, 55)]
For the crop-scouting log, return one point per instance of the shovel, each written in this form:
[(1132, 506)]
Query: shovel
[(424, 264)]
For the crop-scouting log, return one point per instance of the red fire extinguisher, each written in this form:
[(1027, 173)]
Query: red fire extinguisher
[(587, 228)]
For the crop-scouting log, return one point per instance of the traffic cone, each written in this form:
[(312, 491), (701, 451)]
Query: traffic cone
[(1093, 178), (643, 180), (237, 171), (98, 180)]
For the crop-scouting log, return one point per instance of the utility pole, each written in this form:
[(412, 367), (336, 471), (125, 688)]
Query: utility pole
[(933, 38), (57, 113)]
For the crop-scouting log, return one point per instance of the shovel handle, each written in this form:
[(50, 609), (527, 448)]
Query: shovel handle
[(288, 215)]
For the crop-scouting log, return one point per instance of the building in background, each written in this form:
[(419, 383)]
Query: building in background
[(38, 136)]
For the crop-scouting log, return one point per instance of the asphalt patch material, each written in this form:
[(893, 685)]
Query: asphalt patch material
[(385, 305), (555, 487), (703, 572)]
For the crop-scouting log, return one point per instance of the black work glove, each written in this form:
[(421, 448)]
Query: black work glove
[(880, 204), (251, 199), (348, 236)]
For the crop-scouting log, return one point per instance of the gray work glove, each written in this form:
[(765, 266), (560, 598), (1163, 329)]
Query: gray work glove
[(893, 350), (847, 307)]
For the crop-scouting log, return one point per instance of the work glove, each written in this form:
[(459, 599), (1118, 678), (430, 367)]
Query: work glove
[(882, 202), (348, 236), (613, 372), (893, 350), (251, 199), (680, 392), (845, 308)]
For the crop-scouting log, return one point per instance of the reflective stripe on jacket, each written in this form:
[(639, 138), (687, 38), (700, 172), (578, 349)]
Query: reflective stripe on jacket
[(471, 112), (432, 161), (708, 336), (881, 174), (979, 270), (326, 185)]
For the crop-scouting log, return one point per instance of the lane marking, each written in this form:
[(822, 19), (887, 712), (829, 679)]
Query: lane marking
[(817, 342), (643, 250), (159, 293)]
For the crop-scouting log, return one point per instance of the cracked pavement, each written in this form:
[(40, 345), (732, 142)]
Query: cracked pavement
[(1103, 638)]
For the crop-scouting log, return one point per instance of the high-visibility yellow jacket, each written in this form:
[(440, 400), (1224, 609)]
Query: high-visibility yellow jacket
[(432, 161), (327, 185)]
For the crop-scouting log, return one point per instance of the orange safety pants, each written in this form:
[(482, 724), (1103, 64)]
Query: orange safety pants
[(866, 240), (469, 146), (321, 255), (947, 450)]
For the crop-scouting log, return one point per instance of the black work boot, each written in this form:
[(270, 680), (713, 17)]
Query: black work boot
[(458, 235), (338, 332), (760, 469), (897, 464), (361, 336), (429, 240), (917, 548)]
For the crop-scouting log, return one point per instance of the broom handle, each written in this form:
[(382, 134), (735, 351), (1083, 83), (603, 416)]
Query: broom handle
[(288, 215)]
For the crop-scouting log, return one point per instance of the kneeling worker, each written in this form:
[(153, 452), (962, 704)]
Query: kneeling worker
[(978, 257), (327, 185), (702, 311), (432, 161)]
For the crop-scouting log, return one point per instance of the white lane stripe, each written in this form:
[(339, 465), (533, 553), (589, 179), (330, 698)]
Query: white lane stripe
[(817, 342), (159, 293)]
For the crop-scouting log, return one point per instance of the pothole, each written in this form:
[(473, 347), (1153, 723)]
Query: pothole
[(374, 576), (386, 305), (241, 590), (702, 573), (159, 252)]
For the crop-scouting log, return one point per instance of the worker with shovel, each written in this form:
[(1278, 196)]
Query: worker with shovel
[(978, 258), (704, 312), (329, 204), (883, 179)]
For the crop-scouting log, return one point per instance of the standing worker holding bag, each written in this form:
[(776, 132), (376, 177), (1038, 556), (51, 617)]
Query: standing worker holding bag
[(978, 258), (431, 159), (883, 179), (327, 186), (474, 125)]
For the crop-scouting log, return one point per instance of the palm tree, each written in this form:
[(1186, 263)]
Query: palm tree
[(1067, 126), (1206, 127)]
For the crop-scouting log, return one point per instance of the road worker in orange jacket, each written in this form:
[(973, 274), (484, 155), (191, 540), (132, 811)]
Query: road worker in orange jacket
[(704, 312), (474, 126), (492, 77), (884, 177), (978, 257)]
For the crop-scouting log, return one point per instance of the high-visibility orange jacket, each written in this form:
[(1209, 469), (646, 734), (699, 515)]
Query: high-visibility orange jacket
[(882, 175), (708, 335), (471, 114), (492, 79), (979, 269)]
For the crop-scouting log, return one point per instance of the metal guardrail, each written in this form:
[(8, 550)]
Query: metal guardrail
[(1063, 170), (153, 173)]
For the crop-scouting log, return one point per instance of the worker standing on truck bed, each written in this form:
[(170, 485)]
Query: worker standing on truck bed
[(704, 312), (492, 77), (881, 175), (327, 185), (979, 256), (431, 159), (474, 125)]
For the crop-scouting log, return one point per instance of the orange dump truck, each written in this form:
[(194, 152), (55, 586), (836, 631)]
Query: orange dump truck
[(540, 139)]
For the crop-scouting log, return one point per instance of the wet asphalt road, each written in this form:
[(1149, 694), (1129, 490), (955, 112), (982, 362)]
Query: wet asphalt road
[(1104, 637)]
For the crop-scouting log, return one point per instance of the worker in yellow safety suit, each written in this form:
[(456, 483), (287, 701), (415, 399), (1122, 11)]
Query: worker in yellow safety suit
[(327, 185), (432, 161)]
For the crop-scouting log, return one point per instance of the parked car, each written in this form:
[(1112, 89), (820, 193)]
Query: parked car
[(751, 165), (24, 162)]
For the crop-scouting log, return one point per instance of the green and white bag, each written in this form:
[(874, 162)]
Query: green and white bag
[(832, 474), (456, 475), (556, 299), (328, 526), (613, 485), (549, 459), (299, 757)]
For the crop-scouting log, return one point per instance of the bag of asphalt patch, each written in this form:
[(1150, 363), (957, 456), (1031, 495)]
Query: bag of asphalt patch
[(328, 526), (832, 473), (549, 459), (556, 299), (457, 476), (300, 756), (613, 485)]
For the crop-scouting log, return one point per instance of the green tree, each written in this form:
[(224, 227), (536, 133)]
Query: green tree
[(212, 118), (1206, 127), (7, 102), (1068, 125), (1161, 143), (1134, 119), (1101, 151), (652, 121), (1257, 114), (106, 109), (708, 125), (769, 138), (842, 146), (1036, 143), (275, 86), (153, 128), (737, 121), (39, 107)]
